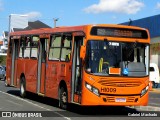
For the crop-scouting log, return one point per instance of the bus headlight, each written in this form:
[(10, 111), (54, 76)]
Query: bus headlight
[(92, 89), (88, 86), (143, 92), (95, 91)]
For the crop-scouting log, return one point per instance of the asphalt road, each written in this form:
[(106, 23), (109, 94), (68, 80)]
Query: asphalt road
[(154, 98), (48, 108)]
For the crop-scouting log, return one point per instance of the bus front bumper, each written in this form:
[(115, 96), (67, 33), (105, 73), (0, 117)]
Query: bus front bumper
[(90, 99)]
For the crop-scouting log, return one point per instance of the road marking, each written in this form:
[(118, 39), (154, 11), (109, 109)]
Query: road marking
[(14, 103), (36, 105), (62, 116)]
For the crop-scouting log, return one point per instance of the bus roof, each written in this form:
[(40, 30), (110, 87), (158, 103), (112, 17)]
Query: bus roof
[(69, 29)]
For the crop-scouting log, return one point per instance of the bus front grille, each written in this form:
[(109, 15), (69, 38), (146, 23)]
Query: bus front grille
[(128, 99), (120, 83)]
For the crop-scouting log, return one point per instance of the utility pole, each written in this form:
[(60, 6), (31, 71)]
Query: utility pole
[(130, 22), (55, 20)]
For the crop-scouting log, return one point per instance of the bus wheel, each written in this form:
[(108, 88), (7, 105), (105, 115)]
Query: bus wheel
[(63, 99), (22, 88)]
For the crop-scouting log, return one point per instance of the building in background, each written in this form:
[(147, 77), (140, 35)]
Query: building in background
[(17, 21), (33, 25), (4, 42), (1, 43), (153, 25)]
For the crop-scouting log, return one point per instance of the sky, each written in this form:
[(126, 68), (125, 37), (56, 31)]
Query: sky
[(78, 12)]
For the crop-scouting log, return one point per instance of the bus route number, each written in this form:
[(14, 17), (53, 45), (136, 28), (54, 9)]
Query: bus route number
[(105, 89)]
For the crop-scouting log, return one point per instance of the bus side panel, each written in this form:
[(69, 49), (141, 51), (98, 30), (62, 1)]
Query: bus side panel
[(9, 63), (68, 78), (51, 79), (20, 70), (15, 73), (8, 70), (65, 74), (55, 73), (31, 75), (59, 78), (42, 87)]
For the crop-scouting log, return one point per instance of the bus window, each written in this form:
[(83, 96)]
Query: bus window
[(44, 43), (103, 55), (55, 46), (34, 47), (10, 48), (66, 49), (27, 47), (133, 52), (21, 52)]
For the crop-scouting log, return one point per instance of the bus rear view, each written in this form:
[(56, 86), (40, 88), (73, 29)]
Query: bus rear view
[(116, 66)]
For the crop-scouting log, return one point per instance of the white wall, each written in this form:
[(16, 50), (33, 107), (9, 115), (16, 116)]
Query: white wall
[(155, 51), (154, 59), (17, 21)]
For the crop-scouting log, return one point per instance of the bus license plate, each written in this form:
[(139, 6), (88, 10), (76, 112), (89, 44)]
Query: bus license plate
[(120, 99)]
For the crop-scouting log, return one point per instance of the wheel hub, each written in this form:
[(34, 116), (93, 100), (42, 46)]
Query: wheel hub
[(22, 89), (64, 97)]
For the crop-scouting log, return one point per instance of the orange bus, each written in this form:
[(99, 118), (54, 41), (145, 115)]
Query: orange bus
[(88, 65)]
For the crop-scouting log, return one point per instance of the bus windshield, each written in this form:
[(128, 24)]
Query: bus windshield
[(130, 57)]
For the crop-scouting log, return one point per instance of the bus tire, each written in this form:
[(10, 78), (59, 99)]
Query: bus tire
[(63, 98), (22, 88)]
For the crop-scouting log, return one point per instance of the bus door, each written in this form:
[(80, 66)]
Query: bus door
[(14, 46), (76, 70), (41, 69)]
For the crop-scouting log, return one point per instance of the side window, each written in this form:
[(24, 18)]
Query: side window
[(34, 47), (10, 47), (45, 49), (27, 47), (14, 46), (66, 48), (55, 46), (22, 44)]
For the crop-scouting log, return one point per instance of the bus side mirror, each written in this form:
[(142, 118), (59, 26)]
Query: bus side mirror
[(82, 52)]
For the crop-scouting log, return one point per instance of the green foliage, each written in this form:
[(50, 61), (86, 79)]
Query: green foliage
[(3, 60)]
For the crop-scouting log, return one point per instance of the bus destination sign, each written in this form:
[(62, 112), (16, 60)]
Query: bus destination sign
[(119, 32)]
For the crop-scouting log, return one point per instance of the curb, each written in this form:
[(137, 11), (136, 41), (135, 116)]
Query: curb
[(147, 108)]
